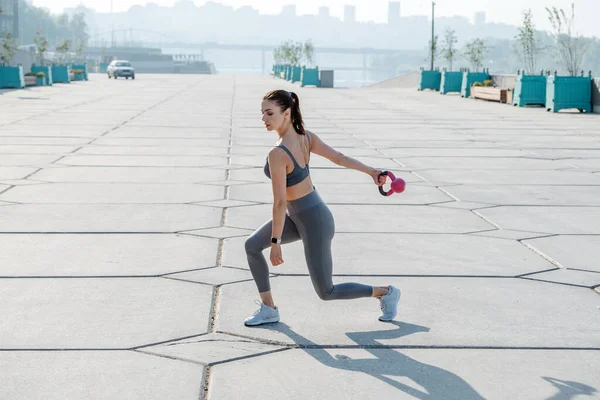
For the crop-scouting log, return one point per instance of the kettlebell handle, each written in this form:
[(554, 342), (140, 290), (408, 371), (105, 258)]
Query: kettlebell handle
[(389, 192)]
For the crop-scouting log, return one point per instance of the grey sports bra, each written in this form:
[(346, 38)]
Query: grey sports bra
[(298, 174)]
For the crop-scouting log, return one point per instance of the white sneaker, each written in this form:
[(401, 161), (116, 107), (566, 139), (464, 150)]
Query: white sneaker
[(389, 304), (264, 315)]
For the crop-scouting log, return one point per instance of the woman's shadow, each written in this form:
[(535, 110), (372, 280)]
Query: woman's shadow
[(436, 382)]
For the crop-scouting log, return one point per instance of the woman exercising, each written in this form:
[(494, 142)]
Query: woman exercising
[(307, 218)]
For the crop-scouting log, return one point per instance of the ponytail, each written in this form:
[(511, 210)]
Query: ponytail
[(297, 122)]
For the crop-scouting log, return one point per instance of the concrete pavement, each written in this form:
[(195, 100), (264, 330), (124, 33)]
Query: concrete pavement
[(124, 206)]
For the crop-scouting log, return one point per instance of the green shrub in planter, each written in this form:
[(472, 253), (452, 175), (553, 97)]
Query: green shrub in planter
[(47, 71)]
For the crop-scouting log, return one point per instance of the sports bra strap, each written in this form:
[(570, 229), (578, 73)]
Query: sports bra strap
[(290, 154)]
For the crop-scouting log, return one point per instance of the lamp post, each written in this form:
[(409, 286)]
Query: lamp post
[(432, 32)]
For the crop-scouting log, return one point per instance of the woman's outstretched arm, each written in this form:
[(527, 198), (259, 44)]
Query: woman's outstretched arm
[(321, 148)]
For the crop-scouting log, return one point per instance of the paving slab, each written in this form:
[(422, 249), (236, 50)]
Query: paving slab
[(141, 218), (510, 234), (100, 313), (142, 161), (154, 150), (412, 373), (547, 315), (108, 141), (480, 163), (212, 348), (556, 220), (569, 277), (389, 218), (41, 141), (57, 133), (406, 254), (24, 160), (221, 232), (29, 149), (59, 375), (523, 195), (455, 152), (16, 172), (131, 174), (111, 193), (103, 255), (511, 177), (214, 276), (561, 248), (167, 132)]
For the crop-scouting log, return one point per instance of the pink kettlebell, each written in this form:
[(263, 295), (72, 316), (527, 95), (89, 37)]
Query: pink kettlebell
[(398, 185)]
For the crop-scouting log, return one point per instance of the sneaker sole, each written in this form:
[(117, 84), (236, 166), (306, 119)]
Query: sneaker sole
[(266, 321)]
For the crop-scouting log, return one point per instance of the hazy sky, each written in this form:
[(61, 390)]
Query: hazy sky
[(507, 11)]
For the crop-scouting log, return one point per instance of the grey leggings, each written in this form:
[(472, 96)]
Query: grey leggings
[(309, 219)]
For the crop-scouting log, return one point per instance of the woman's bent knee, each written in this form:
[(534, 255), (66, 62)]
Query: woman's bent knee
[(325, 294), (253, 245)]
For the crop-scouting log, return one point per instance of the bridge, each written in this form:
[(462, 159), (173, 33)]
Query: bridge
[(181, 49)]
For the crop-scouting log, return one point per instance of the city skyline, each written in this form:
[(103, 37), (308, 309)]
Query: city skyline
[(376, 11)]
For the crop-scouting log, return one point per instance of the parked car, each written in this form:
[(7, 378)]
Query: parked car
[(120, 68)]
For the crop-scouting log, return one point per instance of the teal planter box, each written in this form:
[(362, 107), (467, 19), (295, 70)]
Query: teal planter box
[(469, 79), (12, 77), (310, 77), (40, 81), (451, 82), (82, 67), (564, 92), (530, 89), (46, 70), (80, 77), (296, 74), (61, 74), (103, 67), (430, 80)]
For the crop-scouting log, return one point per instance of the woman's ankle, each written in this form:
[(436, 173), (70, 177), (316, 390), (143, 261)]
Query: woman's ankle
[(379, 291)]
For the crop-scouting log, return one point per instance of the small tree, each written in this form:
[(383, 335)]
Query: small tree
[(475, 52), (309, 52), (294, 53), (449, 50), (9, 48), (528, 46), (433, 51), (79, 50), (41, 44), (63, 49), (571, 47)]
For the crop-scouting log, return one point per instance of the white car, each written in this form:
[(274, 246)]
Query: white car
[(120, 68)]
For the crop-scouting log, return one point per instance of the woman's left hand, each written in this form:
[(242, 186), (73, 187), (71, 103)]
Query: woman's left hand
[(276, 256), (379, 180)]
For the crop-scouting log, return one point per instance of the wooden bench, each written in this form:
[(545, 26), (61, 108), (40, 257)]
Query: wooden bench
[(489, 93)]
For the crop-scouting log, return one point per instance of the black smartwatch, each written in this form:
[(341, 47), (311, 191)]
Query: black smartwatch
[(276, 240)]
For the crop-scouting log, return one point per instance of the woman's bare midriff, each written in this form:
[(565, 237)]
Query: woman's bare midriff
[(299, 190)]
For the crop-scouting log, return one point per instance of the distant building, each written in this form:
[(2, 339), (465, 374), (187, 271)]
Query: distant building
[(349, 14), (480, 18), (289, 10), (393, 13), (9, 18), (323, 11)]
